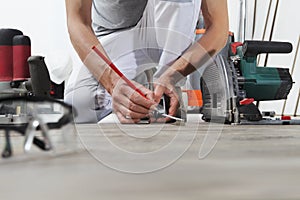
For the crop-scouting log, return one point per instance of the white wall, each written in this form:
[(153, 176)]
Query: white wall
[(45, 22)]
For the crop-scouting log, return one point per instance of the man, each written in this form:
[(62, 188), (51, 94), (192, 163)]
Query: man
[(138, 36)]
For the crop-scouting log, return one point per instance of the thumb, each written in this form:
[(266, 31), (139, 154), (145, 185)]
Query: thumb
[(158, 93)]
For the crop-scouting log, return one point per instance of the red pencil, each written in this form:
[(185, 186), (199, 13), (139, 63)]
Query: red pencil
[(113, 67), (128, 81)]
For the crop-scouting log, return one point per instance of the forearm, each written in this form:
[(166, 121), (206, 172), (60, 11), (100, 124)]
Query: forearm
[(202, 51), (197, 55), (83, 39)]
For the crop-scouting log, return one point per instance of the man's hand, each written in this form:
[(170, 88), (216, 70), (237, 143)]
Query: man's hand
[(215, 15), (129, 105), (164, 86)]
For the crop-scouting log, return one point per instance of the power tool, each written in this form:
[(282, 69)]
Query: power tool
[(232, 84), (14, 51), (20, 73), (30, 103)]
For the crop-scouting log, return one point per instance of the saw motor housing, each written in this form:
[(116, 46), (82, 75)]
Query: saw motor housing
[(262, 83), (241, 81)]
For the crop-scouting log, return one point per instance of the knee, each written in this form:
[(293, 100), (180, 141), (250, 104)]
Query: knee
[(83, 102)]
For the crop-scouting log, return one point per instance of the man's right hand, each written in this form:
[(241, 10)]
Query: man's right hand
[(129, 105)]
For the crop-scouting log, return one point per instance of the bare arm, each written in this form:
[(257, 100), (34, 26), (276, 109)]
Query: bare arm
[(216, 22), (126, 102), (83, 39)]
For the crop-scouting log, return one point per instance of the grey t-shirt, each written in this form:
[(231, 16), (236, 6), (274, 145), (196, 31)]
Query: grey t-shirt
[(111, 15)]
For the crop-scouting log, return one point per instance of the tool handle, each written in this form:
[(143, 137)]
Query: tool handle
[(253, 48), (40, 77)]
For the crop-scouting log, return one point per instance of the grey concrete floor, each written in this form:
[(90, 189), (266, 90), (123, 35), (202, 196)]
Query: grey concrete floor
[(246, 162)]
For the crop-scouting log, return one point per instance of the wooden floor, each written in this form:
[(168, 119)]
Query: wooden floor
[(247, 162)]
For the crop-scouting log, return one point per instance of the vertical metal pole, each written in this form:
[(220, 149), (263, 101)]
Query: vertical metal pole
[(266, 25), (292, 72), (267, 20), (242, 22), (254, 18), (283, 108), (296, 56), (272, 29), (7, 152), (297, 104), (271, 33)]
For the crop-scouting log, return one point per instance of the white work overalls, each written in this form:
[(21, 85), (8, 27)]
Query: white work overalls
[(165, 31)]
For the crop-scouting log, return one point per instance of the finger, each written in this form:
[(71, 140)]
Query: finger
[(140, 100), (136, 97), (158, 93), (148, 93), (132, 106), (134, 101), (126, 120), (159, 120), (174, 105), (131, 114)]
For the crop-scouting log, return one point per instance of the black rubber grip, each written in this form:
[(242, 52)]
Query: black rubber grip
[(40, 78), (253, 48)]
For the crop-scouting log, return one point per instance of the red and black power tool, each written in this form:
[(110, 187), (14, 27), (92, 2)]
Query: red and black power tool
[(15, 48), (20, 73)]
